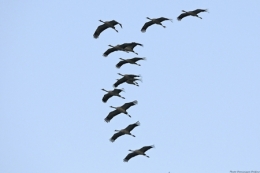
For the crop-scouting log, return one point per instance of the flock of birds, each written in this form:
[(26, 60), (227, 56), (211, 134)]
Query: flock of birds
[(130, 78)]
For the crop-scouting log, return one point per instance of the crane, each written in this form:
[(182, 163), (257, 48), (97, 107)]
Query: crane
[(140, 151), (104, 26), (121, 109), (154, 21), (125, 131), (193, 13)]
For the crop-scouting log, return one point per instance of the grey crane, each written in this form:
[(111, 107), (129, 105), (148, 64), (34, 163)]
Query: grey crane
[(140, 151), (113, 49), (154, 21), (129, 81), (130, 46), (107, 24), (191, 13), (125, 131), (125, 78), (121, 109), (130, 61), (112, 93)]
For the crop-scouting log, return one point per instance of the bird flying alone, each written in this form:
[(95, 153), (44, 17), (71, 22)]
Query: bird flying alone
[(154, 21), (193, 13), (140, 151), (125, 131), (104, 26)]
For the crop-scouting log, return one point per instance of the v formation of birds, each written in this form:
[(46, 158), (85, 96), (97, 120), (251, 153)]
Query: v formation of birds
[(130, 78)]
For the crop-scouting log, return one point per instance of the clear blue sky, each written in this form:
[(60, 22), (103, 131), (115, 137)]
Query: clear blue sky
[(198, 102)]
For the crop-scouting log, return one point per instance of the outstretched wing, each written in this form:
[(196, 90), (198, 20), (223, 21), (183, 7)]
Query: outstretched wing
[(197, 11), (111, 115), (137, 59), (120, 81), (100, 29), (106, 53), (118, 65), (117, 90), (132, 126), (161, 19), (114, 22), (115, 136), (129, 156), (129, 104), (145, 148), (146, 25), (182, 16), (106, 97)]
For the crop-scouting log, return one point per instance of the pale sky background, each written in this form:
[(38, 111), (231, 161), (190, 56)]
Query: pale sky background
[(198, 102)]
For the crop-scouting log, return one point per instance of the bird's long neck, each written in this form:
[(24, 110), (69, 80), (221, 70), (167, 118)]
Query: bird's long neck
[(113, 107), (120, 74), (111, 46), (102, 21), (149, 18), (184, 11), (122, 59), (105, 90), (117, 130), (131, 150)]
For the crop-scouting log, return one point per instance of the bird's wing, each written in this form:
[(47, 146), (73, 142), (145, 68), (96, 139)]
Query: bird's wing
[(118, 65), (114, 22), (145, 148), (117, 90), (106, 53), (111, 115), (132, 75), (132, 45), (120, 81), (137, 59), (129, 104), (115, 136), (129, 156), (161, 19), (106, 97), (146, 25), (197, 11), (99, 29), (182, 16), (124, 45), (132, 126)]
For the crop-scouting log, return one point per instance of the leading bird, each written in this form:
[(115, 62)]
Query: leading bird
[(193, 13)]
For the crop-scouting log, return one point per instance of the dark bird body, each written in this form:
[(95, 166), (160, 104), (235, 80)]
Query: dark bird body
[(191, 13), (113, 49), (107, 24), (130, 46), (130, 61), (141, 151), (129, 78), (121, 109), (125, 131), (112, 93), (154, 21)]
